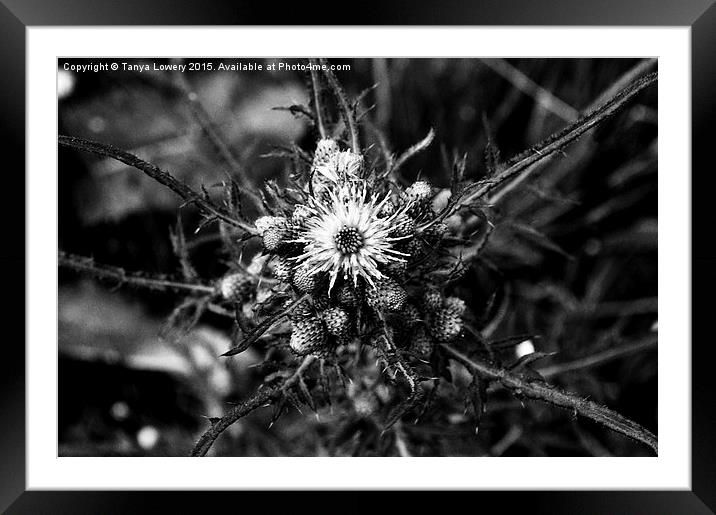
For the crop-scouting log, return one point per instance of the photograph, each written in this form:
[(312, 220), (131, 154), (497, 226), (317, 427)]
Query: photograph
[(349, 257)]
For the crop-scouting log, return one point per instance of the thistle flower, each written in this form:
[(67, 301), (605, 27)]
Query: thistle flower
[(344, 235)]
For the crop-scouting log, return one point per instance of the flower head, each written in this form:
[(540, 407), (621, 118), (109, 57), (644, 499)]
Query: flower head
[(345, 235), (338, 165)]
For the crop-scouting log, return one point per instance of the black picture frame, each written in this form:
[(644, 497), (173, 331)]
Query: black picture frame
[(17, 15)]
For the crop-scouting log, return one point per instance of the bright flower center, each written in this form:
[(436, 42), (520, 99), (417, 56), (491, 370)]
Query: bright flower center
[(348, 240), (344, 236)]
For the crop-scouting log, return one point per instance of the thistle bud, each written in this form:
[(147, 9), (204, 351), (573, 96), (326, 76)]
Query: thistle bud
[(418, 193), (347, 295), (455, 304), (325, 149), (387, 295), (264, 223), (421, 342), (237, 287), (282, 269), (337, 320), (274, 230), (308, 337), (432, 299), (404, 227), (305, 279), (445, 325), (387, 209)]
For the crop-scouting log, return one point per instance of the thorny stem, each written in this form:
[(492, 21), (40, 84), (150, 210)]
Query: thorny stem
[(405, 156), (87, 265), (638, 70), (560, 140), (158, 175), (346, 109), (552, 395), (261, 398), (524, 161), (315, 86), (207, 126)]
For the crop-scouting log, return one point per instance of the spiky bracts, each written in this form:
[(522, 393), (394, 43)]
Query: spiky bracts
[(237, 287), (305, 280), (361, 252), (445, 324), (308, 336), (337, 320), (387, 295), (274, 231)]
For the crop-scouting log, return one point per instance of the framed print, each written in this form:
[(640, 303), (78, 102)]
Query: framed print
[(411, 257)]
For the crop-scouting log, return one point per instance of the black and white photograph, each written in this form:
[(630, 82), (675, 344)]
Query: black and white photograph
[(388, 257)]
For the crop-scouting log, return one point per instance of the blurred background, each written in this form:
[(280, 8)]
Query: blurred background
[(569, 270)]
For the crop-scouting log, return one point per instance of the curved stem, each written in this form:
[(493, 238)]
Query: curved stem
[(526, 161), (87, 265), (552, 395), (346, 109), (260, 398), (158, 175)]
